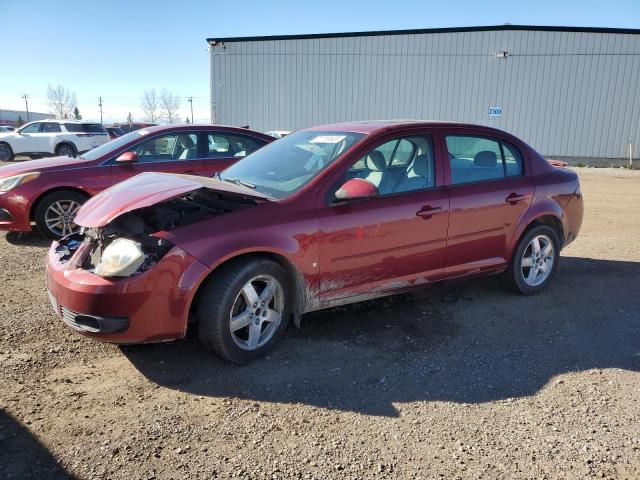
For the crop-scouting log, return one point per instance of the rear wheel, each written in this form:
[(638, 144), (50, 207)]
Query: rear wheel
[(55, 213), (6, 153), (65, 150), (244, 310), (534, 261)]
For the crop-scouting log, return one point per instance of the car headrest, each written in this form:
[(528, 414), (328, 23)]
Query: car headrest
[(375, 161), (485, 159), (186, 142), (421, 165)]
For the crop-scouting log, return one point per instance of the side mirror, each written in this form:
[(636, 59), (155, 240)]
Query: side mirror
[(356, 189), (127, 158)]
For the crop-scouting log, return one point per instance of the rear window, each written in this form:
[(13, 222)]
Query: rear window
[(84, 127)]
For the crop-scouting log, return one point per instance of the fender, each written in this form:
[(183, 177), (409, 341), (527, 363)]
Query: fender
[(540, 207)]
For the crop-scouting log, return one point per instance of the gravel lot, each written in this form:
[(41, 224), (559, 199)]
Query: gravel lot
[(458, 381)]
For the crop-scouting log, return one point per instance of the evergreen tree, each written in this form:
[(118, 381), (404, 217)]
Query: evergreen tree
[(76, 114), (187, 121), (20, 121)]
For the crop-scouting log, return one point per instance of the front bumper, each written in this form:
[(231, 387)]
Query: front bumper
[(14, 212), (149, 307)]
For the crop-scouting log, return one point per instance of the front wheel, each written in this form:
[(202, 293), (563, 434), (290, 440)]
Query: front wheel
[(55, 213), (6, 153), (534, 261), (244, 309)]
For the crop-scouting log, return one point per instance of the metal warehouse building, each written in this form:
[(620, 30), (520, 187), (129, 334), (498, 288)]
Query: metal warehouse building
[(569, 92)]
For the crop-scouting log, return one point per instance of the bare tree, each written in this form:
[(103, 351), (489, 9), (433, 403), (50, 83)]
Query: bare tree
[(150, 105), (170, 104), (61, 101)]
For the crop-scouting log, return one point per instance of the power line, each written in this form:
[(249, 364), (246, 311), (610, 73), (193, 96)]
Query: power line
[(100, 105)]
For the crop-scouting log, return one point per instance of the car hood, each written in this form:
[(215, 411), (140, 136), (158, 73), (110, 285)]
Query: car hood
[(43, 165), (147, 189)]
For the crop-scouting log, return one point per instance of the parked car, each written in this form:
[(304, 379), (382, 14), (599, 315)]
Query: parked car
[(278, 133), (64, 138), (322, 217), (47, 193), (124, 128), (6, 128)]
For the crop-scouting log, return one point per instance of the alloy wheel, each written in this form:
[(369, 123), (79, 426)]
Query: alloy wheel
[(60, 216), (257, 312), (537, 260), (66, 151), (5, 153)]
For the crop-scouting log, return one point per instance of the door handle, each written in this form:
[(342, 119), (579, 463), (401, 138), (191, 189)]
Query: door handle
[(515, 198), (428, 212)]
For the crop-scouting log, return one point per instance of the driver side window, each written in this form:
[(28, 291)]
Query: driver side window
[(168, 148), (399, 165), (33, 128)]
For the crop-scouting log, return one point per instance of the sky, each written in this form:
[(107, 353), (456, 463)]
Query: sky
[(118, 49)]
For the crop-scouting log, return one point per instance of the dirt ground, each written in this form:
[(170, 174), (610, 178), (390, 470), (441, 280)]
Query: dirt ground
[(463, 380)]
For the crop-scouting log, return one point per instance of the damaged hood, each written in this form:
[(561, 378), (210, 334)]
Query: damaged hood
[(147, 189)]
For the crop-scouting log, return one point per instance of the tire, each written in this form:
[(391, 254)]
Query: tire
[(6, 152), (532, 280), (224, 298), (66, 201), (66, 150)]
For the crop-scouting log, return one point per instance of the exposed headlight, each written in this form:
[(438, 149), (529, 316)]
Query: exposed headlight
[(10, 183), (122, 258)]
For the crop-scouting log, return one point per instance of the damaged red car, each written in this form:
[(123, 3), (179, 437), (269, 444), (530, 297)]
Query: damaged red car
[(323, 217)]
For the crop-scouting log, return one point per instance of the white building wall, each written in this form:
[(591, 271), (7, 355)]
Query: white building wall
[(567, 93)]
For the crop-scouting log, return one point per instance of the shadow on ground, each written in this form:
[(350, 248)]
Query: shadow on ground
[(22, 456), (27, 239), (466, 342)]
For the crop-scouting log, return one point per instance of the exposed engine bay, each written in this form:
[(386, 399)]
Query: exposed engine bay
[(129, 241)]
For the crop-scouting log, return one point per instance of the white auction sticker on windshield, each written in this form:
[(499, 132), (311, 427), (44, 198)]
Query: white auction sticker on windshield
[(328, 139)]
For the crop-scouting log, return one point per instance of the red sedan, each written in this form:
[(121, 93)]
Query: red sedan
[(47, 193), (322, 217)]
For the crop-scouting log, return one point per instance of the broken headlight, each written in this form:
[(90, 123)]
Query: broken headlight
[(122, 258)]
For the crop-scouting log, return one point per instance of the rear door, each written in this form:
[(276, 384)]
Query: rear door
[(221, 149), (49, 134), (175, 152), (489, 191)]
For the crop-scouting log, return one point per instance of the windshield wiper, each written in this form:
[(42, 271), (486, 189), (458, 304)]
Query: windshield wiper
[(237, 181)]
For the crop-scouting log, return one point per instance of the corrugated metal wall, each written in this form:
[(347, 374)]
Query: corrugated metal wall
[(573, 94)]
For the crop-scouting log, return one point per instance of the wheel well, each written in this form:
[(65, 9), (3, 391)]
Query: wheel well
[(295, 278), (550, 221), (35, 204)]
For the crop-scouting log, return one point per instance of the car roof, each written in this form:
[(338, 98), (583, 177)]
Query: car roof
[(371, 126), (203, 126)]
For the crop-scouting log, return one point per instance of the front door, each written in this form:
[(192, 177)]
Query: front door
[(489, 193), (175, 152), (391, 241), (29, 139)]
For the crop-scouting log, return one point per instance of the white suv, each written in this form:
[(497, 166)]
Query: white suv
[(52, 137)]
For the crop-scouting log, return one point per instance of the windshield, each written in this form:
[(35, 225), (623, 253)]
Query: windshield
[(114, 144), (288, 164)]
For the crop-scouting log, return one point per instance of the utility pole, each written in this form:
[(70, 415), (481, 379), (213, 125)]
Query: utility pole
[(26, 104), (100, 105), (191, 102)]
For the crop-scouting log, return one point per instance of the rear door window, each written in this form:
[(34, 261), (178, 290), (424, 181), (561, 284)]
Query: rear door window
[(50, 127), (225, 145), (474, 159), (84, 127)]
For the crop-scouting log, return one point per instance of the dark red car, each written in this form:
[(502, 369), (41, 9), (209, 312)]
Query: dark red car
[(322, 217), (47, 193)]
